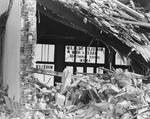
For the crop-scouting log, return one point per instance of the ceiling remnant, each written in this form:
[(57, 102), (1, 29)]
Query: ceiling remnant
[(123, 27)]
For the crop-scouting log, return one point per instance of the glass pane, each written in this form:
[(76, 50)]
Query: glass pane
[(80, 54), (44, 53), (98, 70), (70, 69), (91, 54), (69, 53), (79, 70), (38, 52), (45, 79), (51, 52), (100, 55), (119, 60), (89, 70)]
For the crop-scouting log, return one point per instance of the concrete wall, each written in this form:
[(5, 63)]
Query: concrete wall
[(11, 52)]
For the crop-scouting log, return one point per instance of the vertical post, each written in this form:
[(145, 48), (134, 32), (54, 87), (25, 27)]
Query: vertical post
[(59, 60)]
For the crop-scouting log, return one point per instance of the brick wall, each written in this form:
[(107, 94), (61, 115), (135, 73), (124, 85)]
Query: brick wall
[(27, 48), (28, 32)]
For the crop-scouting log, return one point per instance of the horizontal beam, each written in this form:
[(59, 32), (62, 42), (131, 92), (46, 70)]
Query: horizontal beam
[(60, 74)]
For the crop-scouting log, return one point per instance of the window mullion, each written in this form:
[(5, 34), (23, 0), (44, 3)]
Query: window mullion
[(96, 56), (75, 50)]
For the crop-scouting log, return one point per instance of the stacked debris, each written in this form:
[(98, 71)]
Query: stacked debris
[(114, 95), (129, 23), (5, 112)]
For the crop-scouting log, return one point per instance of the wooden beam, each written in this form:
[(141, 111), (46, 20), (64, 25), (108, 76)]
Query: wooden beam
[(143, 24), (131, 11), (59, 74), (46, 72)]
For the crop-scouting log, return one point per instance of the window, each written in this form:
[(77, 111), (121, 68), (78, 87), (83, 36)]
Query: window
[(120, 60), (82, 54), (45, 79), (45, 53), (79, 70), (84, 59), (70, 69), (45, 60), (69, 53), (90, 70), (98, 70), (100, 55), (91, 55)]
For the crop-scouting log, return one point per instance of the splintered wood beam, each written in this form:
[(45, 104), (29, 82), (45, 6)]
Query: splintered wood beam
[(126, 8), (42, 71), (47, 72), (143, 24), (72, 19), (59, 74)]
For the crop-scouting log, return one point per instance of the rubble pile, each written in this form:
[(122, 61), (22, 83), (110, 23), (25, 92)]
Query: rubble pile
[(127, 22), (5, 112), (113, 95)]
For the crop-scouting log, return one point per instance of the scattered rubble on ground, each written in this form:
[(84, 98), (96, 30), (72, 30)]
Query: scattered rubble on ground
[(113, 95), (5, 112)]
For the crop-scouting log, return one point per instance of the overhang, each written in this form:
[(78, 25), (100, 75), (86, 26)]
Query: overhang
[(123, 28)]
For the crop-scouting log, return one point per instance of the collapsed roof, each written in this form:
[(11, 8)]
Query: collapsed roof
[(124, 27)]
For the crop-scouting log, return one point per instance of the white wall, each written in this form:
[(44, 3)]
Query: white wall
[(11, 52)]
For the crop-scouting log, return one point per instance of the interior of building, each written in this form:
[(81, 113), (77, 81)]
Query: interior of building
[(62, 55), (60, 46)]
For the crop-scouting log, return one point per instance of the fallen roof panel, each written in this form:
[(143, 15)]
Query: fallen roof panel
[(115, 24)]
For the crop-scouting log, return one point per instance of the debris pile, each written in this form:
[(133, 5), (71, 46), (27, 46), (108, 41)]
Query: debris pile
[(113, 95), (5, 112), (128, 22)]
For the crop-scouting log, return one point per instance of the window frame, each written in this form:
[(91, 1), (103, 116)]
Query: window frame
[(116, 66), (85, 65), (47, 62)]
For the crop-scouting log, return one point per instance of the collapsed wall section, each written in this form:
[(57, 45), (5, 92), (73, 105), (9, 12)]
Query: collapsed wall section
[(27, 49)]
